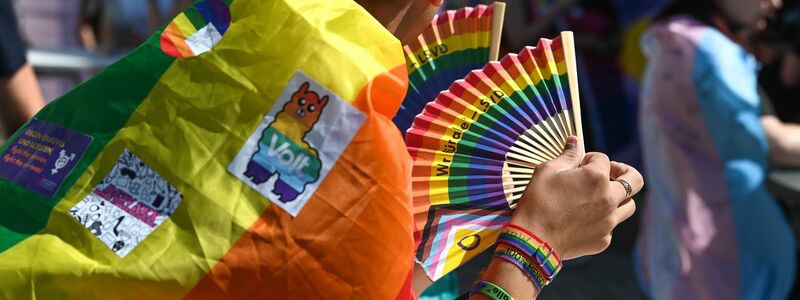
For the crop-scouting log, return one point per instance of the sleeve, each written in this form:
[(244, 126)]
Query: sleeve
[(12, 50)]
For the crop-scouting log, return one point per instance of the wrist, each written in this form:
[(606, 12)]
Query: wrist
[(523, 263), (542, 231), (509, 277)]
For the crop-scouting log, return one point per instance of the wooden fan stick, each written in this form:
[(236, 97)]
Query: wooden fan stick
[(524, 142), (515, 197), (566, 125), (509, 179), (517, 182), (520, 160), (498, 15), (527, 155), (516, 190), (527, 150), (517, 176), (535, 148), (546, 134), (561, 127), (526, 137), (554, 130), (572, 73), (519, 170)]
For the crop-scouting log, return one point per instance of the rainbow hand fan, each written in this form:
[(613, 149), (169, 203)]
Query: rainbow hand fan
[(477, 146), (456, 42)]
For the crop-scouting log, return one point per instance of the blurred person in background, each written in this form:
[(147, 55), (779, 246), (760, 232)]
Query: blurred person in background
[(53, 25), (710, 229), (98, 29), (780, 53), (20, 97), (599, 28), (124, 24)]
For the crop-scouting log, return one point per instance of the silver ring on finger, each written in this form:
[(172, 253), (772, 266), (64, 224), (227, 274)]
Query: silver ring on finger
[(627, 186)]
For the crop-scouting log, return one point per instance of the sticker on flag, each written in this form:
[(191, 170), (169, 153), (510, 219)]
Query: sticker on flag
[(297, 143), (128, 205), (197, 29), (42, 156)]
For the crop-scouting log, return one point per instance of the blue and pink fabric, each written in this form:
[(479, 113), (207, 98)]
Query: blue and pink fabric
[(710, 229)]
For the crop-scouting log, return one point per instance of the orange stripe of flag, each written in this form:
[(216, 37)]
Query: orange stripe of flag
[(178, 40), (168, 47), (311, 256)]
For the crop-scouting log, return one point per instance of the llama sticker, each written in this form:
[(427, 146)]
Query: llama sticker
[(297, 143), (282, 150)]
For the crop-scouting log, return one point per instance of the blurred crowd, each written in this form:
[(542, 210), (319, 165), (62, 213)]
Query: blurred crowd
[(98, 26), (67, 42)]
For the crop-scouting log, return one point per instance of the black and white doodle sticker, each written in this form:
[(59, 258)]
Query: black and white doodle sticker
[(131, 202)]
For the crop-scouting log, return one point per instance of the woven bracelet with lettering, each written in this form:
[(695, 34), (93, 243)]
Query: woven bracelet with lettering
[(531, 269), (534, 247)]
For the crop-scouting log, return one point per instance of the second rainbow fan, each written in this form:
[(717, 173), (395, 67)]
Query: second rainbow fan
[(455, 43), (476, 147)]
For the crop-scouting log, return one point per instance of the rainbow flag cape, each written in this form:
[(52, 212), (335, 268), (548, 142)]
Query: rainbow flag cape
[(246, 150)]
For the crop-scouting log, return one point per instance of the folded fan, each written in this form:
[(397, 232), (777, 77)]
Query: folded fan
[(477, 146), (455, 42)]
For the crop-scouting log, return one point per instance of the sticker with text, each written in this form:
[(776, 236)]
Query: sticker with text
[(42, 156), (130, 202)]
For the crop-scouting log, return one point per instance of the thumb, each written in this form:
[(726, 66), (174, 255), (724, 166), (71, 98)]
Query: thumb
[(572, 155)]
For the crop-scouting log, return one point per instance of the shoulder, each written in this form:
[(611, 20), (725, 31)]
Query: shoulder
[(717, 64), (676, 33), (721, 66)]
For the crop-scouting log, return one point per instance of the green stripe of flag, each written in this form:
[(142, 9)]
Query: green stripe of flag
[(194, 16), (99, 107)]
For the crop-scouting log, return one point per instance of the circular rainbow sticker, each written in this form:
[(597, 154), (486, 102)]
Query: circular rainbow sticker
[(197, 29)]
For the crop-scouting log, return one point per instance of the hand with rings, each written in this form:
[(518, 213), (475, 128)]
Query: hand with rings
[(627, 186), (572, 203)]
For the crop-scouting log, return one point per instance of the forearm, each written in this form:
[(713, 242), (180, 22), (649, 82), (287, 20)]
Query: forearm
[(510, 278), (784, 141), (20, 98)]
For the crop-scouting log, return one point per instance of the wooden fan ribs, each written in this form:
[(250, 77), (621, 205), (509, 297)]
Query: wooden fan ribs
[(478, 144)]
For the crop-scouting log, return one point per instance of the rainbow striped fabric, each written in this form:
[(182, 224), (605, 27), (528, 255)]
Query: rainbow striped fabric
[(197, 29), (456, 42), (476, 146), (262, 165)]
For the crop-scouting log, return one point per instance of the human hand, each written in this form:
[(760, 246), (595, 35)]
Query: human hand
[(572, 204)]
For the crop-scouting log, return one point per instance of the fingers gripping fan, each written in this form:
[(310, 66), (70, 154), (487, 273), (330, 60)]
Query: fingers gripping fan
[(456, 42), (477, 146)]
